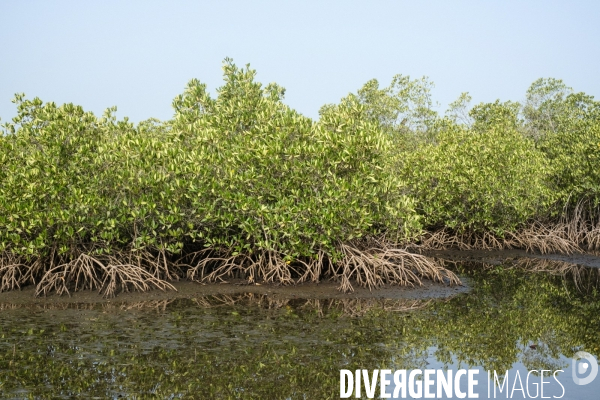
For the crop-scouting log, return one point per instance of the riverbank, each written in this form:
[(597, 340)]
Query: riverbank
[(509, 256), (187, 289)]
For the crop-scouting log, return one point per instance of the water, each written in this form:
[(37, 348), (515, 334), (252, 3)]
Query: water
[(251, 346)]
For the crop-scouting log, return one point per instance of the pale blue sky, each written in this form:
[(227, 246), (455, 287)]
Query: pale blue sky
[(138, 55)]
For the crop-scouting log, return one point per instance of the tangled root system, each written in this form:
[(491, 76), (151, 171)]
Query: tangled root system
[(558, 238), (376, 265), (370, 264), (107, 274), (575, 232)]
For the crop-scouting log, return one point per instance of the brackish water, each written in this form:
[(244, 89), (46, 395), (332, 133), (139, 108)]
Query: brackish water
[(251, 346)]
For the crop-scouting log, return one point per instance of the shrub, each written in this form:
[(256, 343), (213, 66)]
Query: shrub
[(488, 178), (572, 147), (268, 180), (47, 191)]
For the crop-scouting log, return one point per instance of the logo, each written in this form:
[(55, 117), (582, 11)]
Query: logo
[(582, 363)]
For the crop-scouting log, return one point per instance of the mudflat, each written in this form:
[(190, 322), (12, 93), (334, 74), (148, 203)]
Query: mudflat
[(507, 256), (187, 289)]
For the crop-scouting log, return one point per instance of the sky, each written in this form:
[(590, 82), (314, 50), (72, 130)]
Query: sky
[(138, 55)]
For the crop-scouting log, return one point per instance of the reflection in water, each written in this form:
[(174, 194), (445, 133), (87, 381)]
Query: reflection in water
[(257, 346), (321, 307), (585, 279), (341, 307)]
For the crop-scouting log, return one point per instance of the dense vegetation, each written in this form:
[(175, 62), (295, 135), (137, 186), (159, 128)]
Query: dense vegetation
[(242, 184)]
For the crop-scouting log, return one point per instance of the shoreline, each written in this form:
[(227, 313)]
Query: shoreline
[(188, 289), (508, 255), (309, 290)]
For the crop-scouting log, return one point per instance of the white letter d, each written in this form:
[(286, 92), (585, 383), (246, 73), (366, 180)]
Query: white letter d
[(346, 390)]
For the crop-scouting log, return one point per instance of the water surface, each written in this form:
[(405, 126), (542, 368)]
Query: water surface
[(253, 346)]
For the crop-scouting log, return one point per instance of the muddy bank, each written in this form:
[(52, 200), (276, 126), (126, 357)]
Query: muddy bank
[(499, 257), (186, 289)]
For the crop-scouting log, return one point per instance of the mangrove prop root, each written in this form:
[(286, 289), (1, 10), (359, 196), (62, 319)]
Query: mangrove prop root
[(375, 266), (370, 265), (12, 270), (107, 275), (575, 232), (537, 237)]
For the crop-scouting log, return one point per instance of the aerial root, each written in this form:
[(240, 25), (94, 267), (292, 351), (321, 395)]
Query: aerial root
[(106, 274), (381, 264), (17, 271), (537, 237), (130, 276), (214, 266), (158, 264), (546, 239), (577, 231), (80, 272), (369, 263), (12, 273), (371, 267)]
